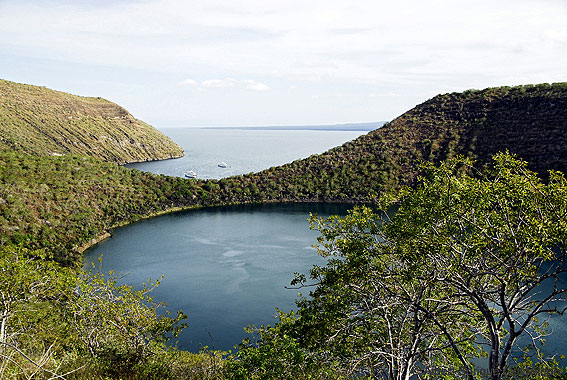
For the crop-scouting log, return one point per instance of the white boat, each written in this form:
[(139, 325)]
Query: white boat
[(223, 165), (191, 174)]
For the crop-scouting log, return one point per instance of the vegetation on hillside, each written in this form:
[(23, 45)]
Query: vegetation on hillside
[(52, 207), (40, 121), (530, 121), (461, 262), (461, 268), (62, 203)]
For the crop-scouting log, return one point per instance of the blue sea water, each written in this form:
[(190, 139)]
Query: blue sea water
[(244, 150)]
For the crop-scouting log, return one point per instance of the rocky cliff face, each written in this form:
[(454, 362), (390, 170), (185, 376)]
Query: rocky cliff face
[(40, 121)]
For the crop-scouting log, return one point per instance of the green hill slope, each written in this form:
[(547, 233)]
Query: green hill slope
[(71, 200), (530, 121), (41, 121), (59, 204)]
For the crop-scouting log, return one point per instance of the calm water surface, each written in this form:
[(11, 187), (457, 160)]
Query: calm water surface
[(243, 149), (224, 267)]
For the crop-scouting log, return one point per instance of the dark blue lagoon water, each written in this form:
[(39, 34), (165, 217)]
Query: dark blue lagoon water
[(244, 150), (225, 267)]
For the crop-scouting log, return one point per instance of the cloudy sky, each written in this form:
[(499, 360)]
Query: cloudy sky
[(279, 62)]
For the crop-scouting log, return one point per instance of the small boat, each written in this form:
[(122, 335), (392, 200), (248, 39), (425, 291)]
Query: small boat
[(191, 174), (223, 165)]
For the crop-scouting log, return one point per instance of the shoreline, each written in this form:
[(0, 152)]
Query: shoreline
[(108, 233), (152, 159)]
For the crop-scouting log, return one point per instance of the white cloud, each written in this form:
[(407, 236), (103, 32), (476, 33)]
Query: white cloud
[(255, 86), (218, 83), (187, 82), (366, 40), (320, 46), (247, 84), (559, 36)]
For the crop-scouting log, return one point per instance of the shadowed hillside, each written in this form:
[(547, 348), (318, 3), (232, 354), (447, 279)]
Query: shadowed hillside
[(530, 121), (40, 121)]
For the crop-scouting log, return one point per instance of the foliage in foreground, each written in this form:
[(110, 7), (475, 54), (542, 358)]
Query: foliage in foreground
[(456, 268), (58, 323), (466, 268)]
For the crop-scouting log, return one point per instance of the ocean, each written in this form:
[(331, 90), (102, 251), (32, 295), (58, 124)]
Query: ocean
[(245, 150)]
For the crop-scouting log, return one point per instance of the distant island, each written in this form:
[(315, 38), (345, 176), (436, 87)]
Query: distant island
[(332, 127)]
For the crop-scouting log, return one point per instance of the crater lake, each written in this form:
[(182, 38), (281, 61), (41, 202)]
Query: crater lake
[(225, 267)]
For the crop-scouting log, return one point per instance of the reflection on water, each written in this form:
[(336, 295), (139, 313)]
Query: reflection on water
[(225, 267)]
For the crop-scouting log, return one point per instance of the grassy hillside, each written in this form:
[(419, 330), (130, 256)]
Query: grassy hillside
[(41, 121), (61, 203)]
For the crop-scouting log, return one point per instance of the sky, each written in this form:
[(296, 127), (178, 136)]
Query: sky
[(279, 62)]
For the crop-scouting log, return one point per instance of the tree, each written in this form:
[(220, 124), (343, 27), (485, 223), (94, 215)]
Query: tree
[(119, 326), (59, 322), (462, 266), (31, 291)]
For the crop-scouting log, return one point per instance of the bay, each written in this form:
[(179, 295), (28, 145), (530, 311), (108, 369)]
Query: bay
[(244, 150), (227, 267)]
